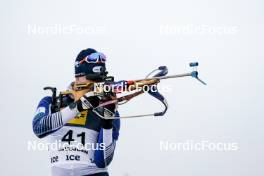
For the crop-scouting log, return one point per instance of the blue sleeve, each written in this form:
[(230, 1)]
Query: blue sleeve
[(44, 122), (103, 158)]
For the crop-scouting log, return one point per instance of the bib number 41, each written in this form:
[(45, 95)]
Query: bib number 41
[(68, 137)]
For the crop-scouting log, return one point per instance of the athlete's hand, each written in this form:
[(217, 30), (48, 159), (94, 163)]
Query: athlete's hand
[(87, 101)]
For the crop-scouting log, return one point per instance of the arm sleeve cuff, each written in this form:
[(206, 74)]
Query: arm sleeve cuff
[(67, 114)]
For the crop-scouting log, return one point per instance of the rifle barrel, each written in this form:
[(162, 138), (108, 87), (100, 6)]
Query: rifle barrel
[(175, 76), (167, 77)]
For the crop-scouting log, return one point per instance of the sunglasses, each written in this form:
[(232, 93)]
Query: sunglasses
[(94, 58)]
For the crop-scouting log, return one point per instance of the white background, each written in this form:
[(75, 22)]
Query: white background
[(227, 110)]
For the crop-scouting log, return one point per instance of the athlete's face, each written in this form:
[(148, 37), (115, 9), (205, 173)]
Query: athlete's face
[(82, 79)]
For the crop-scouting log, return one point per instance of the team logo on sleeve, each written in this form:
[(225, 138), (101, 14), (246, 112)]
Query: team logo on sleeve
[(40, 110)]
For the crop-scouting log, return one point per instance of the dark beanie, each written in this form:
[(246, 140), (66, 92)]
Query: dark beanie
[(87, 69)]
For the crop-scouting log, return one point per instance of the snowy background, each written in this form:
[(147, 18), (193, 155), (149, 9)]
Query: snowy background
[(226, 37)]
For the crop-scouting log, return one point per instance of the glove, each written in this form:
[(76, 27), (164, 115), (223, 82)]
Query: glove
[(107, 111), (87, 102), (108, 123)]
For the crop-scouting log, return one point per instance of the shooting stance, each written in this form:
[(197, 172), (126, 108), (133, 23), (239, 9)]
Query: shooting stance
[(71, 121), (87, 116)]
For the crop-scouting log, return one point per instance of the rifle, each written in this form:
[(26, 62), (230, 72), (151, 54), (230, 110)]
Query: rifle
[(131, 89)]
